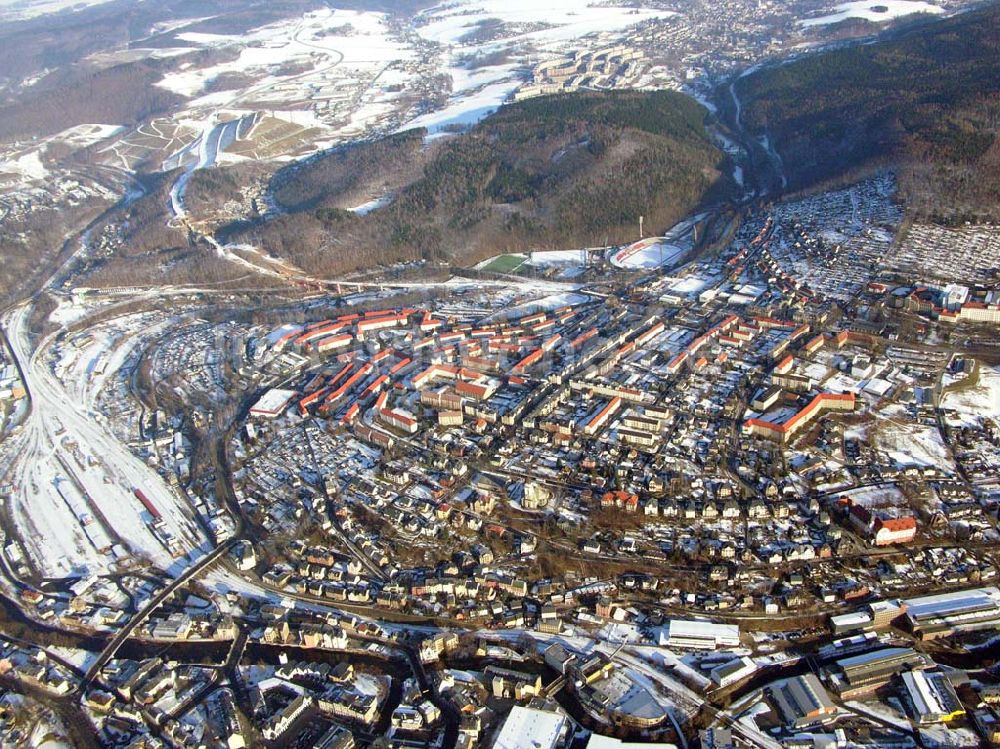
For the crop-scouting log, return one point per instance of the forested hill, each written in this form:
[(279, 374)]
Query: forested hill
[(554, 172), (927, 98)]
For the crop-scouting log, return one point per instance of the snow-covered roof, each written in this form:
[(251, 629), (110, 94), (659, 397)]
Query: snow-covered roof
[(529, 728), (272, 402), (694, 628), (950, 603)]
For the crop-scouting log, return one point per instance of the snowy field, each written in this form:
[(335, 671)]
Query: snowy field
[(876, 11), (20, 10), (86, 135), (909, 444), (27, 165), (530, 29), (974, 404), (882, 495), (317, 38), (570, 263), (26, 160)]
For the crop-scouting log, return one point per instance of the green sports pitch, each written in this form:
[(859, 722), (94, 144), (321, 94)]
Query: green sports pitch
[(505, 263)]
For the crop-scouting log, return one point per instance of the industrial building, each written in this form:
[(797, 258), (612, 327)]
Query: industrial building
[(597, 741), (733, 671), (867, 672), (930, 617), (532, 728), (932, 697), (855, 621), (697, 635), (272, 403), (802, 701)]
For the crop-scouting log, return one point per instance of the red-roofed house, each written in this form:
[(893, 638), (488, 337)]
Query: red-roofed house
[(894, 530), (620, 500)]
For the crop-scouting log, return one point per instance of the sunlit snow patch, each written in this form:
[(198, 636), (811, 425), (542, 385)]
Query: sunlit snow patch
[(878, 11)]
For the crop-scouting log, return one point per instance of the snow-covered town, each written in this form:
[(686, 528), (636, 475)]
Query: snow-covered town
[(746, 497), (730, 482)]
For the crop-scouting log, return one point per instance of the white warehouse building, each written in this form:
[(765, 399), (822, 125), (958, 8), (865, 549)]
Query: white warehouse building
[(687, 634)]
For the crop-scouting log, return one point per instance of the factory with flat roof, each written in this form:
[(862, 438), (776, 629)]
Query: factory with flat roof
[(802, 701), (867, 672), (733, 671), (688, 634), (932, 697), (272, 403), (930, 617), (532, 728)]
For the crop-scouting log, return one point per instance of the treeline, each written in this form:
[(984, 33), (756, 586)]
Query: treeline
[(145, 224), (554, 172), (198, 266), (123, 94), (926, 99), (29, 246), (345, 173)]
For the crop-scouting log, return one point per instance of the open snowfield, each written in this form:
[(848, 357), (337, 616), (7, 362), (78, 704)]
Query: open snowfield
[(370, 205), (26, 160), (909, 444), (20, 10), (571, 262), (531, 30), (86, 135), (566, 20), (881, 495), (28, 165), (466, 108), (317, 38), (877, 11), (974, 404)]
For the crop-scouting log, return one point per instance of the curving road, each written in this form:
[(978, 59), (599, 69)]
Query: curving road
[(144, 613)]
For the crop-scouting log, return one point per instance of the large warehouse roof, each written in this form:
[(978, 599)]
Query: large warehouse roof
[(273, 402), (953, 603), (528, 728), (692, 628)]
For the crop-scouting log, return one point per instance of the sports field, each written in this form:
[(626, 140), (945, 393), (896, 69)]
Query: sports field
[(504, 263)]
